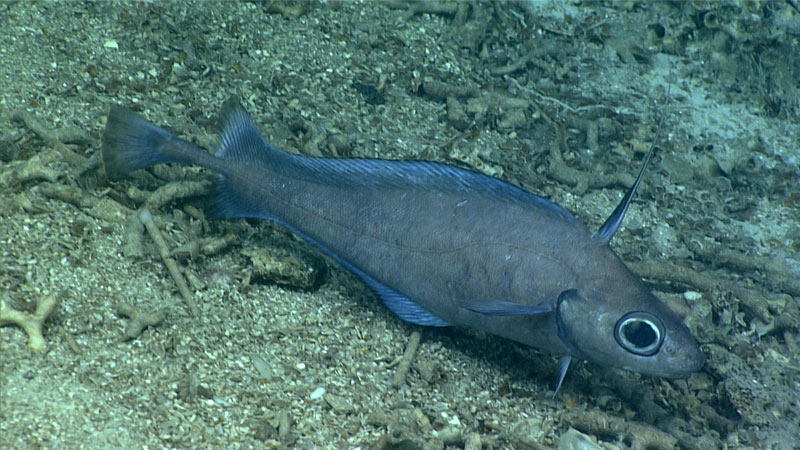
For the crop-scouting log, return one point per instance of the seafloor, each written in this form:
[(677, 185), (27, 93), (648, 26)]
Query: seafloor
[(288, 350)]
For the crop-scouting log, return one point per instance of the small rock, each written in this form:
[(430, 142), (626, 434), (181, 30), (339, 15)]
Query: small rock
[(575, 440), (339, 404), (283, 269), (692, 296), (317, 393)]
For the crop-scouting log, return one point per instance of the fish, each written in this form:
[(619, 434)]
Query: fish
[(439, 245)]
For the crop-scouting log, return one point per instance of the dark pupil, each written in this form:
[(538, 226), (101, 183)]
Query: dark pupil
[(639, 334)]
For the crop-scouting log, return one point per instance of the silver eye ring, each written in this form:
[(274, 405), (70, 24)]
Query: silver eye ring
[(640, 333)]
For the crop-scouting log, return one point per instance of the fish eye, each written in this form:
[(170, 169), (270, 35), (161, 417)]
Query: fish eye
[(640, 333)]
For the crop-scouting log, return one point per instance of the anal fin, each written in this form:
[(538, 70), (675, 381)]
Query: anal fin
[(402, 306)]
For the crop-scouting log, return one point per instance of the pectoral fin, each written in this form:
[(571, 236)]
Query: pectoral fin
[(505, 308)]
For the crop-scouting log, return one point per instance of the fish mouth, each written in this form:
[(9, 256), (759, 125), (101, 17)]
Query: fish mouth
[(696, 363), (694, 360), (680, 368), (680, 365)]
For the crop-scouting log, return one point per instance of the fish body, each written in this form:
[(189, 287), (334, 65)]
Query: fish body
[(440, 245)]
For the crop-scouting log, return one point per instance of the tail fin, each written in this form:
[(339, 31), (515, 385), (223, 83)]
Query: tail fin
[(131, 142)]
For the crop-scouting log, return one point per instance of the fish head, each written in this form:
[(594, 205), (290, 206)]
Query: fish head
[(633, 330)]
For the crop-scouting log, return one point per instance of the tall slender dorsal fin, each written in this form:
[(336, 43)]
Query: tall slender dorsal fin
[(606, 232)]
